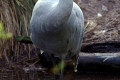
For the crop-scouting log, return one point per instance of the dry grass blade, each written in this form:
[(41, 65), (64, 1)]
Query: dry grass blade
[(15, 14)]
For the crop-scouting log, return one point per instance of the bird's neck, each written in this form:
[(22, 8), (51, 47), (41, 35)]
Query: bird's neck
[(63, 10), (65, 2), (65, 6), (60, 14)]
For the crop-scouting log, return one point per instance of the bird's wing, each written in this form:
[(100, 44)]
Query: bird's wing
[(76, 21)]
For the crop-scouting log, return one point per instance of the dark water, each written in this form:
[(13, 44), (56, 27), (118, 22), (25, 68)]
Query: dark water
[(68, 75)]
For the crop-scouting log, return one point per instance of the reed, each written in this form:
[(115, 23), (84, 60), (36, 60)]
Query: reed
[(15, 15)]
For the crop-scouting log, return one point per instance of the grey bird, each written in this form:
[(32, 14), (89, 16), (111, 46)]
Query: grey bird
[(57, 27)]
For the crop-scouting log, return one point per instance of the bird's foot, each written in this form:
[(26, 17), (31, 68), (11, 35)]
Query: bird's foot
[(75, 63)]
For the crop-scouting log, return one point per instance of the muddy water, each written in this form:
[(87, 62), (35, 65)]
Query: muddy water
[(68, 75)]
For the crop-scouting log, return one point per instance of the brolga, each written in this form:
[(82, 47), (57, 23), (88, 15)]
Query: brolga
[(57, 27)]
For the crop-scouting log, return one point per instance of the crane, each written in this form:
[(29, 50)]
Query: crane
[(57, 27)]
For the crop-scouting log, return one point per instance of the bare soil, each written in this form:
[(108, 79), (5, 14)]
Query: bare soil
[(103, 17)]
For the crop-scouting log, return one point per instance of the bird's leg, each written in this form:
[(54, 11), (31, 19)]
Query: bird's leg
[(62, 69), (59, 69), (53, 59), (56, 76), (76, 62)]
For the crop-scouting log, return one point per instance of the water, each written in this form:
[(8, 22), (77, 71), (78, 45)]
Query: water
[(68, 75)]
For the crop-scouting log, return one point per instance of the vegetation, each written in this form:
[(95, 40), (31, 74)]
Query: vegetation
[(14, 20), (3, 34)]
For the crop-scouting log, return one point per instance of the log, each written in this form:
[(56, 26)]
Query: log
[(103, 47), (99, 62)]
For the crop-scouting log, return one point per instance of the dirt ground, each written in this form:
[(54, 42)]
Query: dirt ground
[(102, 20)]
